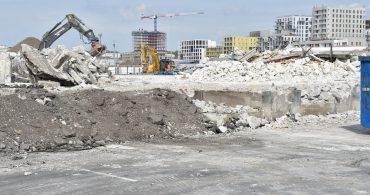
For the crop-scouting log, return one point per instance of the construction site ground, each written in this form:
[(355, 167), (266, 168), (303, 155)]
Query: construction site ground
[(145, 140), (326, 159), (38, 120)]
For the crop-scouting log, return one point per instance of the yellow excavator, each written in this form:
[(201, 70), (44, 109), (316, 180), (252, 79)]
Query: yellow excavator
[(157, 66)]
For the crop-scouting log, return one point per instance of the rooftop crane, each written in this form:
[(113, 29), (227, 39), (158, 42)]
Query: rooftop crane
[(170, 15)]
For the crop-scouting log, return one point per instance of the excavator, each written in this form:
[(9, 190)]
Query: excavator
[(157, 66), (72, 22)]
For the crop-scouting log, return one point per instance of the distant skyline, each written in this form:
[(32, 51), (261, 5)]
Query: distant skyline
[(116, 19)]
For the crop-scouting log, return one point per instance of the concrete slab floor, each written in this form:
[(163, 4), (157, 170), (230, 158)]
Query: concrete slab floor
[(304, 160)]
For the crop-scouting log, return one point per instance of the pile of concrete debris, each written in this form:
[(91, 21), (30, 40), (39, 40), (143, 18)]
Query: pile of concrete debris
[(294, 70), (190, 68), (231, 119), (68, 67)]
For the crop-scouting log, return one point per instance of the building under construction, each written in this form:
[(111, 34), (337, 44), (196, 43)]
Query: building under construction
[(154, 39)]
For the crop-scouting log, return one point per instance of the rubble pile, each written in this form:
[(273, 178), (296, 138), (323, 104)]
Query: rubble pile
[(329, 92), (211, 107), (289, 121), (294, 70), (231, 119), (68, 67), (189, 68), (37, 120)]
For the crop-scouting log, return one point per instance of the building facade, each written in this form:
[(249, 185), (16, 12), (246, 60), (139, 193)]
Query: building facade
[(244, 43), (266, 39), (344, 25), (193, 51), (214, 52), (3, 48), (292, 29), (367, 32), (153, 39)]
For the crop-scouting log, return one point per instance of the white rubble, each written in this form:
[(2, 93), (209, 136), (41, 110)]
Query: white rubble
[(254, 122), (318, 81), (211, 107), (297, 119), (298, 70), (239, 117), (68, 66)]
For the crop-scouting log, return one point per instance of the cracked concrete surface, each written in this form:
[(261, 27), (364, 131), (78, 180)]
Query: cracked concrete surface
[(302, 160)]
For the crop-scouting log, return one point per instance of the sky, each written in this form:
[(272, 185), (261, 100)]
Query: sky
[(116, 19)]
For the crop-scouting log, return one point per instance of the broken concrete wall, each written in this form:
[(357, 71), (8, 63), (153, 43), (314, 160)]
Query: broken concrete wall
[(39, 66), (272, 104), (5, 68)]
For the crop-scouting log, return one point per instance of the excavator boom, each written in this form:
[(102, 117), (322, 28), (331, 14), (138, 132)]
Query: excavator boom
[(72, 22), (157, 66)]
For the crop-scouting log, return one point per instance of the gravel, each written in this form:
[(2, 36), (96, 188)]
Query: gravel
[(90, 118)]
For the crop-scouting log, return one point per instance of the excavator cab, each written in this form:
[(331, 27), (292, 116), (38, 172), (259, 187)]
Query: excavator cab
[(166, 67)]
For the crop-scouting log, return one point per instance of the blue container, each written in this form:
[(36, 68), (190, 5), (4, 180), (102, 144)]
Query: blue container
[(365, 91)]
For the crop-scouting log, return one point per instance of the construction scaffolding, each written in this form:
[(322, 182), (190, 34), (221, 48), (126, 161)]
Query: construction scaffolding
[(153, 39)]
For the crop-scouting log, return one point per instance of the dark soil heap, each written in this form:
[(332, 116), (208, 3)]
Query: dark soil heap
[(31, 41), (36, 120)]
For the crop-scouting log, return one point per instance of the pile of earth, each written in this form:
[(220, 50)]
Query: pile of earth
[(31, 41), (38, 120)]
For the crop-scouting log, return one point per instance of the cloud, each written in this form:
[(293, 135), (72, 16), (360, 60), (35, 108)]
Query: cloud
[(130, 13), (354, 5), (141, 8)]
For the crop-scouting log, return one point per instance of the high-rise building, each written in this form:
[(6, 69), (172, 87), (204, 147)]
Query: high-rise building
[(266, 39), (367, 32), (153, 39), (193, 51), (338, 26), (292, 29), (244, 43)]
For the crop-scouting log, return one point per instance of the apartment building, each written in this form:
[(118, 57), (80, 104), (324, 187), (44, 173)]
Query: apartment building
[(245, 43), (266, 39), (367, 32), (292, 29), (338, 26), (214, 52), (193, 51)]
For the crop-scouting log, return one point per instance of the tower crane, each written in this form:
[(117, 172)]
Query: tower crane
[(169, 15)]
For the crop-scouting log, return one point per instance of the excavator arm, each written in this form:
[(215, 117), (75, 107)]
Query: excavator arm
[(144, 59), (72, 22), (155, 66)]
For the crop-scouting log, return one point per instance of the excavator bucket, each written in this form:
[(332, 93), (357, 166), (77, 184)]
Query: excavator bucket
[(97, 50)]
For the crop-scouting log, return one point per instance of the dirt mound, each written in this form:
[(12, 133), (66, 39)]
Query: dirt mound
[(36, 120), (31, 41)]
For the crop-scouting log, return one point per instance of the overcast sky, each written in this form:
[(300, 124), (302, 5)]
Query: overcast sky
[(115, 19)]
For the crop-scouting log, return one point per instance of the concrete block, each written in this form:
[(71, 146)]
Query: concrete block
[(49, 84), (294, 99), (5, 68)]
